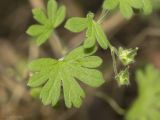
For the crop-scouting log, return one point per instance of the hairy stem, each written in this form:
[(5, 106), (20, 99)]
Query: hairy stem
[(113, 54), (114, 61)]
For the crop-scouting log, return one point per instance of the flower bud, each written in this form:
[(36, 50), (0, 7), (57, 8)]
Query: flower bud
[(123, 77), (127, 56)]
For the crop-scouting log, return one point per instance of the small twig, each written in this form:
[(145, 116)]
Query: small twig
[(56, 45), (111, 102)]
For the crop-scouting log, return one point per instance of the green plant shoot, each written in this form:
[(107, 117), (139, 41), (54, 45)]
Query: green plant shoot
[(47, 22)]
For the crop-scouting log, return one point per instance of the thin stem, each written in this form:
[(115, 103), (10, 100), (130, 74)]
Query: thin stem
[(114, 61), (33, 50), (113, 54), (56, 45), (102, 16), (111, 102), (113, 49)]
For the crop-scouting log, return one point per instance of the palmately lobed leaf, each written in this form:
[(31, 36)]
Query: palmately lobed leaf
[(93, 30), (51, 75), (47, 21), (126, 6), (147, 105)]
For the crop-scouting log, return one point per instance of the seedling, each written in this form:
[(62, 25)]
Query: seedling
[(50, 75)]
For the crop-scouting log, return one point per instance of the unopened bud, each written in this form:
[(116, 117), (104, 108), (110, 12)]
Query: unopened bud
[(127, 56), (123, 77)]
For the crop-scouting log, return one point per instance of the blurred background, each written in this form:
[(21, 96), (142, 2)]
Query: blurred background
[(112, 102)]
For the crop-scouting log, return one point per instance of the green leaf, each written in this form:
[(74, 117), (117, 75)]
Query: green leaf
[(52, 9), (110, 4), (43, 37), (35, 30), (90, 61), (94, 30), (126, 6), (100, 36), (76, 24), (135, 3), (50, 93), (40, 77), (36, 65), (71, 95), (91, 77), (79, 53), (60, 16), (126, 9), (43, 31), (39, 15), (90, 40), (147, 6), (147, 104), (51, 74)]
